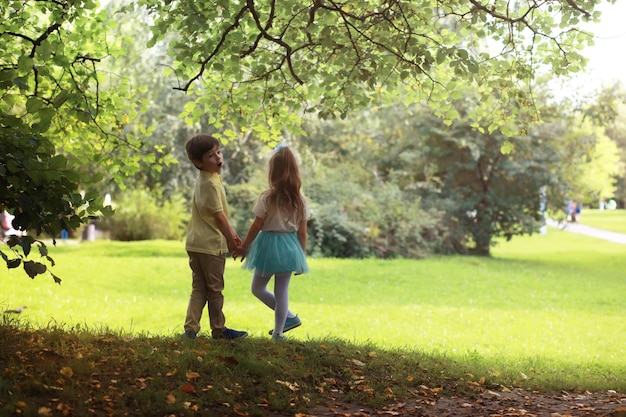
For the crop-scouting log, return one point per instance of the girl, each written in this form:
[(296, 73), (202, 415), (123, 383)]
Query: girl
[(276, 242)]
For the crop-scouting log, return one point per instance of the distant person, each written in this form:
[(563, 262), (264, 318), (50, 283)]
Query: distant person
[(577, 211), (6, 226), (5, 223), (276, 242), (611, 205), (571, 211), (209, 237)]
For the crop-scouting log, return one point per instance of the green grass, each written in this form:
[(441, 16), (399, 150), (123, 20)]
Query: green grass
[(546, 311), (613, 220), (509, 305)]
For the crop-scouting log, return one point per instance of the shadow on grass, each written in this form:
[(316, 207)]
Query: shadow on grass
[(72, 371)]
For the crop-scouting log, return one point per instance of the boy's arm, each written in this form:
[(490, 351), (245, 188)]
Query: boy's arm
[(226, 229)]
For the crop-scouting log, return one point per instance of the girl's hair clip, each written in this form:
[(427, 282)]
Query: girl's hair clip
[(280, 147)]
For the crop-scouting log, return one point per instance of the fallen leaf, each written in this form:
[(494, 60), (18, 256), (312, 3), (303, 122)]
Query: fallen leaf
[(170, 399), (238, 412), (67, 372), (44, 411), (229, 360), (292, 386), (357, 362), (191, 375), (188, 388)]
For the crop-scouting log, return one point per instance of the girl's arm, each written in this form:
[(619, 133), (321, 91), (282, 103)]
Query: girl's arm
[(302, 235), (255, 228)]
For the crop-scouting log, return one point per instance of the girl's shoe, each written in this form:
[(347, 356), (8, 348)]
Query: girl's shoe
[(290, 324), (278, 338)]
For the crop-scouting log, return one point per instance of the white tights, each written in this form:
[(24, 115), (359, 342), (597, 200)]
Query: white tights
[(279, 301)]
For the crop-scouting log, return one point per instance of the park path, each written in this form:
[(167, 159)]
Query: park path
[(589, 231)]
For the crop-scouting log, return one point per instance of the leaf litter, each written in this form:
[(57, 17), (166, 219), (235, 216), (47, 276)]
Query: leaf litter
[(60, 373)]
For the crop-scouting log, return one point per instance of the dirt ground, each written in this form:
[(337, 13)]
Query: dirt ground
[(492, 404)]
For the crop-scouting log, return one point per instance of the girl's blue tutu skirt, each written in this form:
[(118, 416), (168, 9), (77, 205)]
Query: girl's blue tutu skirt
[(276, 252)]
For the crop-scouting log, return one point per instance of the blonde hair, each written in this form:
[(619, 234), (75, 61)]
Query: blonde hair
[(284, 180)]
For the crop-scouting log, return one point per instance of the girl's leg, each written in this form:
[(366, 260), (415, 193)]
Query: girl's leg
[(259, 289), (281, 300)]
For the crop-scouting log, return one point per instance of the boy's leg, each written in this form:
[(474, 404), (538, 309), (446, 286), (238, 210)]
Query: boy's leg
[(198, 297), (213, 273)]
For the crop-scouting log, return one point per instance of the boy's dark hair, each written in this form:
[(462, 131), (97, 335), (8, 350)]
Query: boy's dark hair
[(199, 145)]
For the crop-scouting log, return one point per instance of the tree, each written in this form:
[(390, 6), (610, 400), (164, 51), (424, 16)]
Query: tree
[(57, 114), (617, 132), (600, 169), (265, 63)]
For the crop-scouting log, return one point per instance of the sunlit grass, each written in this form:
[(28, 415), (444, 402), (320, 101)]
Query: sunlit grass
[(613, 220), (554, 301)]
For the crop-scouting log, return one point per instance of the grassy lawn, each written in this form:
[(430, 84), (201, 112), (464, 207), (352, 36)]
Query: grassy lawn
[(613, 220), (540, 304), (544, 314)]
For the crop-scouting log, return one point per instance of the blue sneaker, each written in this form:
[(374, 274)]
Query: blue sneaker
[(189, 335), (230, 334), (290, 324), (278, 338)]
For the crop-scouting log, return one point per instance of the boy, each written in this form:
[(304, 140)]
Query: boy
[(209, 237)]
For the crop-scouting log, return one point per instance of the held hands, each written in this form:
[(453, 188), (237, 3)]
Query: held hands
[(237, 243), (239, 251)]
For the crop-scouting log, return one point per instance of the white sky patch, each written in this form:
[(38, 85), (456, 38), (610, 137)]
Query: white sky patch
[(607, 58)]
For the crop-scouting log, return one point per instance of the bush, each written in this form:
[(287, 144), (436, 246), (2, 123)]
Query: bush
[(331, 234), (142, 215)]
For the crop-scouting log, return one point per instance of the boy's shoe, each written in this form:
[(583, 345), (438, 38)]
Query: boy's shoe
[(290, 324), (278, 338), (189, 335), (231, 334)]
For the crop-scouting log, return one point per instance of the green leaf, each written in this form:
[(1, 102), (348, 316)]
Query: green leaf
[(33, 268), (13, 263), (507, 147), (25, 63)]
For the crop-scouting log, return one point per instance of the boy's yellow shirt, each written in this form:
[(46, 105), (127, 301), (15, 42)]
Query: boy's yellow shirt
[(209, 197)]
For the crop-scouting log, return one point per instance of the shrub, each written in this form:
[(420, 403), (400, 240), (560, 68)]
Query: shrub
[(142, 215)]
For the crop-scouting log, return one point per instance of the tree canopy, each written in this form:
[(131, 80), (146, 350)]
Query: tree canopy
[(58, 113), (81, 109), (265, 63)]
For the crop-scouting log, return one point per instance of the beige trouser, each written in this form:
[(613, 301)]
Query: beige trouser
[(207, 272)]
